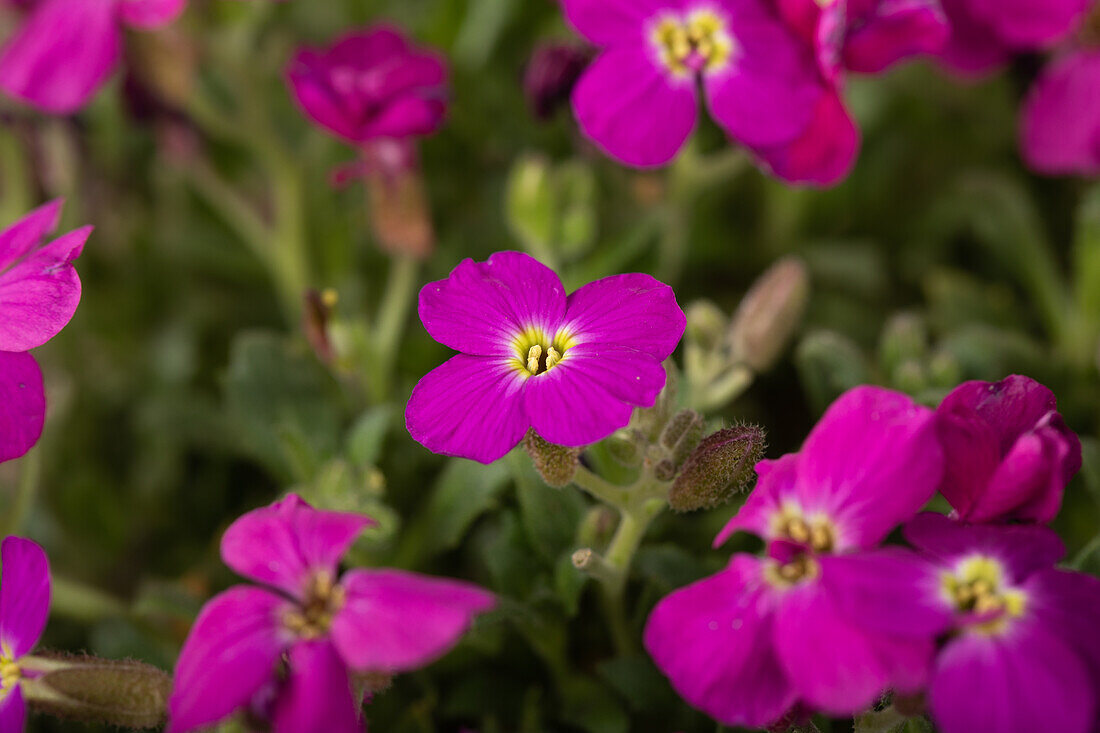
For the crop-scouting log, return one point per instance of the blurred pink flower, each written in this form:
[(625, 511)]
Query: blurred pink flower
[(65, 50), (371, 85), (1060, 121), (24, 608), (287, 647), (39, 292), (985, 33)]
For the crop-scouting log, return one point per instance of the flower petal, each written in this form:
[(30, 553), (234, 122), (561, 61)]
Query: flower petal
[(469, 406), (150, 14), (591, 393), (285, 543), (1026, 24), (62, 54), (891, 590), (404, 117), (776, 484), (610, 21), (713, 640), (231, 652), (24, 595), (306, 75), (395, 621), (317, 695), (13, 712), (972, 49), (1060, 122), (1024, 549), (824, 153), (632, 109), (870, 463), (22, 404), (369, 47), (1020, 681), (1068, 604), (634, 311), (39, 294), (836, 665), (25, 234), (483, 306), (767, 93), (894, 30)]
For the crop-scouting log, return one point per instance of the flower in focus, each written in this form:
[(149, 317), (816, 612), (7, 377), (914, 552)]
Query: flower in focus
[(638, 99), (286, 650), (39, 292), (571, 367), (65, 50), (371, 85), (985, 33), (1060, 121), (1009, 454), (1024, 650), (24, 608), (751, 642)]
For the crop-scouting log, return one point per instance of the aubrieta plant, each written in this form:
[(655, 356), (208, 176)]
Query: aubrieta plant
[(606, 483)]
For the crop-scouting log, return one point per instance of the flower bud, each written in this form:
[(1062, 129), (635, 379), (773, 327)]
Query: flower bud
[(598, 526), (706, 324), (681, 435), (769, 313), (399, 213), (316, 314), (531, 203), (555, 463), (624, 450), (721, 466), (904, 339), (124, 693), (551, 74)]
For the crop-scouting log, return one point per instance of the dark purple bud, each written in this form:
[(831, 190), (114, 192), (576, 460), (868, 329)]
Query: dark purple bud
[(550, 75), (720, 467)]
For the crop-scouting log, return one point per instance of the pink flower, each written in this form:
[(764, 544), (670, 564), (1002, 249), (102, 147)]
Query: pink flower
[(825, 620), (1009, 454), (371, 85), (286, 649), (1023, 650), (1060, 121), (39, 292), (985, 33), (67, 49), (638, 99), (24, 608), (571, 367)]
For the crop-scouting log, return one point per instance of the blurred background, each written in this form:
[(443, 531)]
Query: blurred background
[(198, 380)]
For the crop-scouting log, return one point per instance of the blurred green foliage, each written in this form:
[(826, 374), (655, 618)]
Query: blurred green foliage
[(186, 392)]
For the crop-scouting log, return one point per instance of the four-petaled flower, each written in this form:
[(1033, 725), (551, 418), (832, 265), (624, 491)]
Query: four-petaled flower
[(67, 49), (1009, 454), (24, 608), (1023, 652), (572, 367), (288, 651), (39, 292), (638, 99), (763, 636)]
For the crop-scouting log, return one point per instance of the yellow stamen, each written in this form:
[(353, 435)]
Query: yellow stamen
[(552, 356), (533, 356)]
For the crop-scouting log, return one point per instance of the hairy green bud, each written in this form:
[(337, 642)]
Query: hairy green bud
[(681, 435), (557, 464), (720, 467), (770, 313), (124, 693)]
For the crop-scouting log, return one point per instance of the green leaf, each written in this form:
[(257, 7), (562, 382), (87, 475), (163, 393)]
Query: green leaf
[(283, 403), (591, 707), (366, 438), (568, 584), (829, 364), (550, 516), (638, 681), (463, 492), (1086, 255)]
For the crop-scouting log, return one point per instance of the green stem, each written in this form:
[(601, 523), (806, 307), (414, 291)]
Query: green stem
[(14, 171), (601, 489), (393, 313), (82, 602), (25, 492)]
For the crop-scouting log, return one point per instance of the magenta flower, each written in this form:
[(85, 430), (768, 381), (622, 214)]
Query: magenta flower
[(24, 607), (1060, 121), (285, 649), (67, 49), (985, 33), (371, 85), (766, 634), (1024, 649), (39, 292), (822, 155), (638, 100), (573, 368), (1009, 455)]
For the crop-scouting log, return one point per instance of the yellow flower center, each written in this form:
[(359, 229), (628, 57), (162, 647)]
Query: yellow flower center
[(816, 532), (323, 598), (10, 674), (537, 354), (977, 586), (697, 42), (800, 568)]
